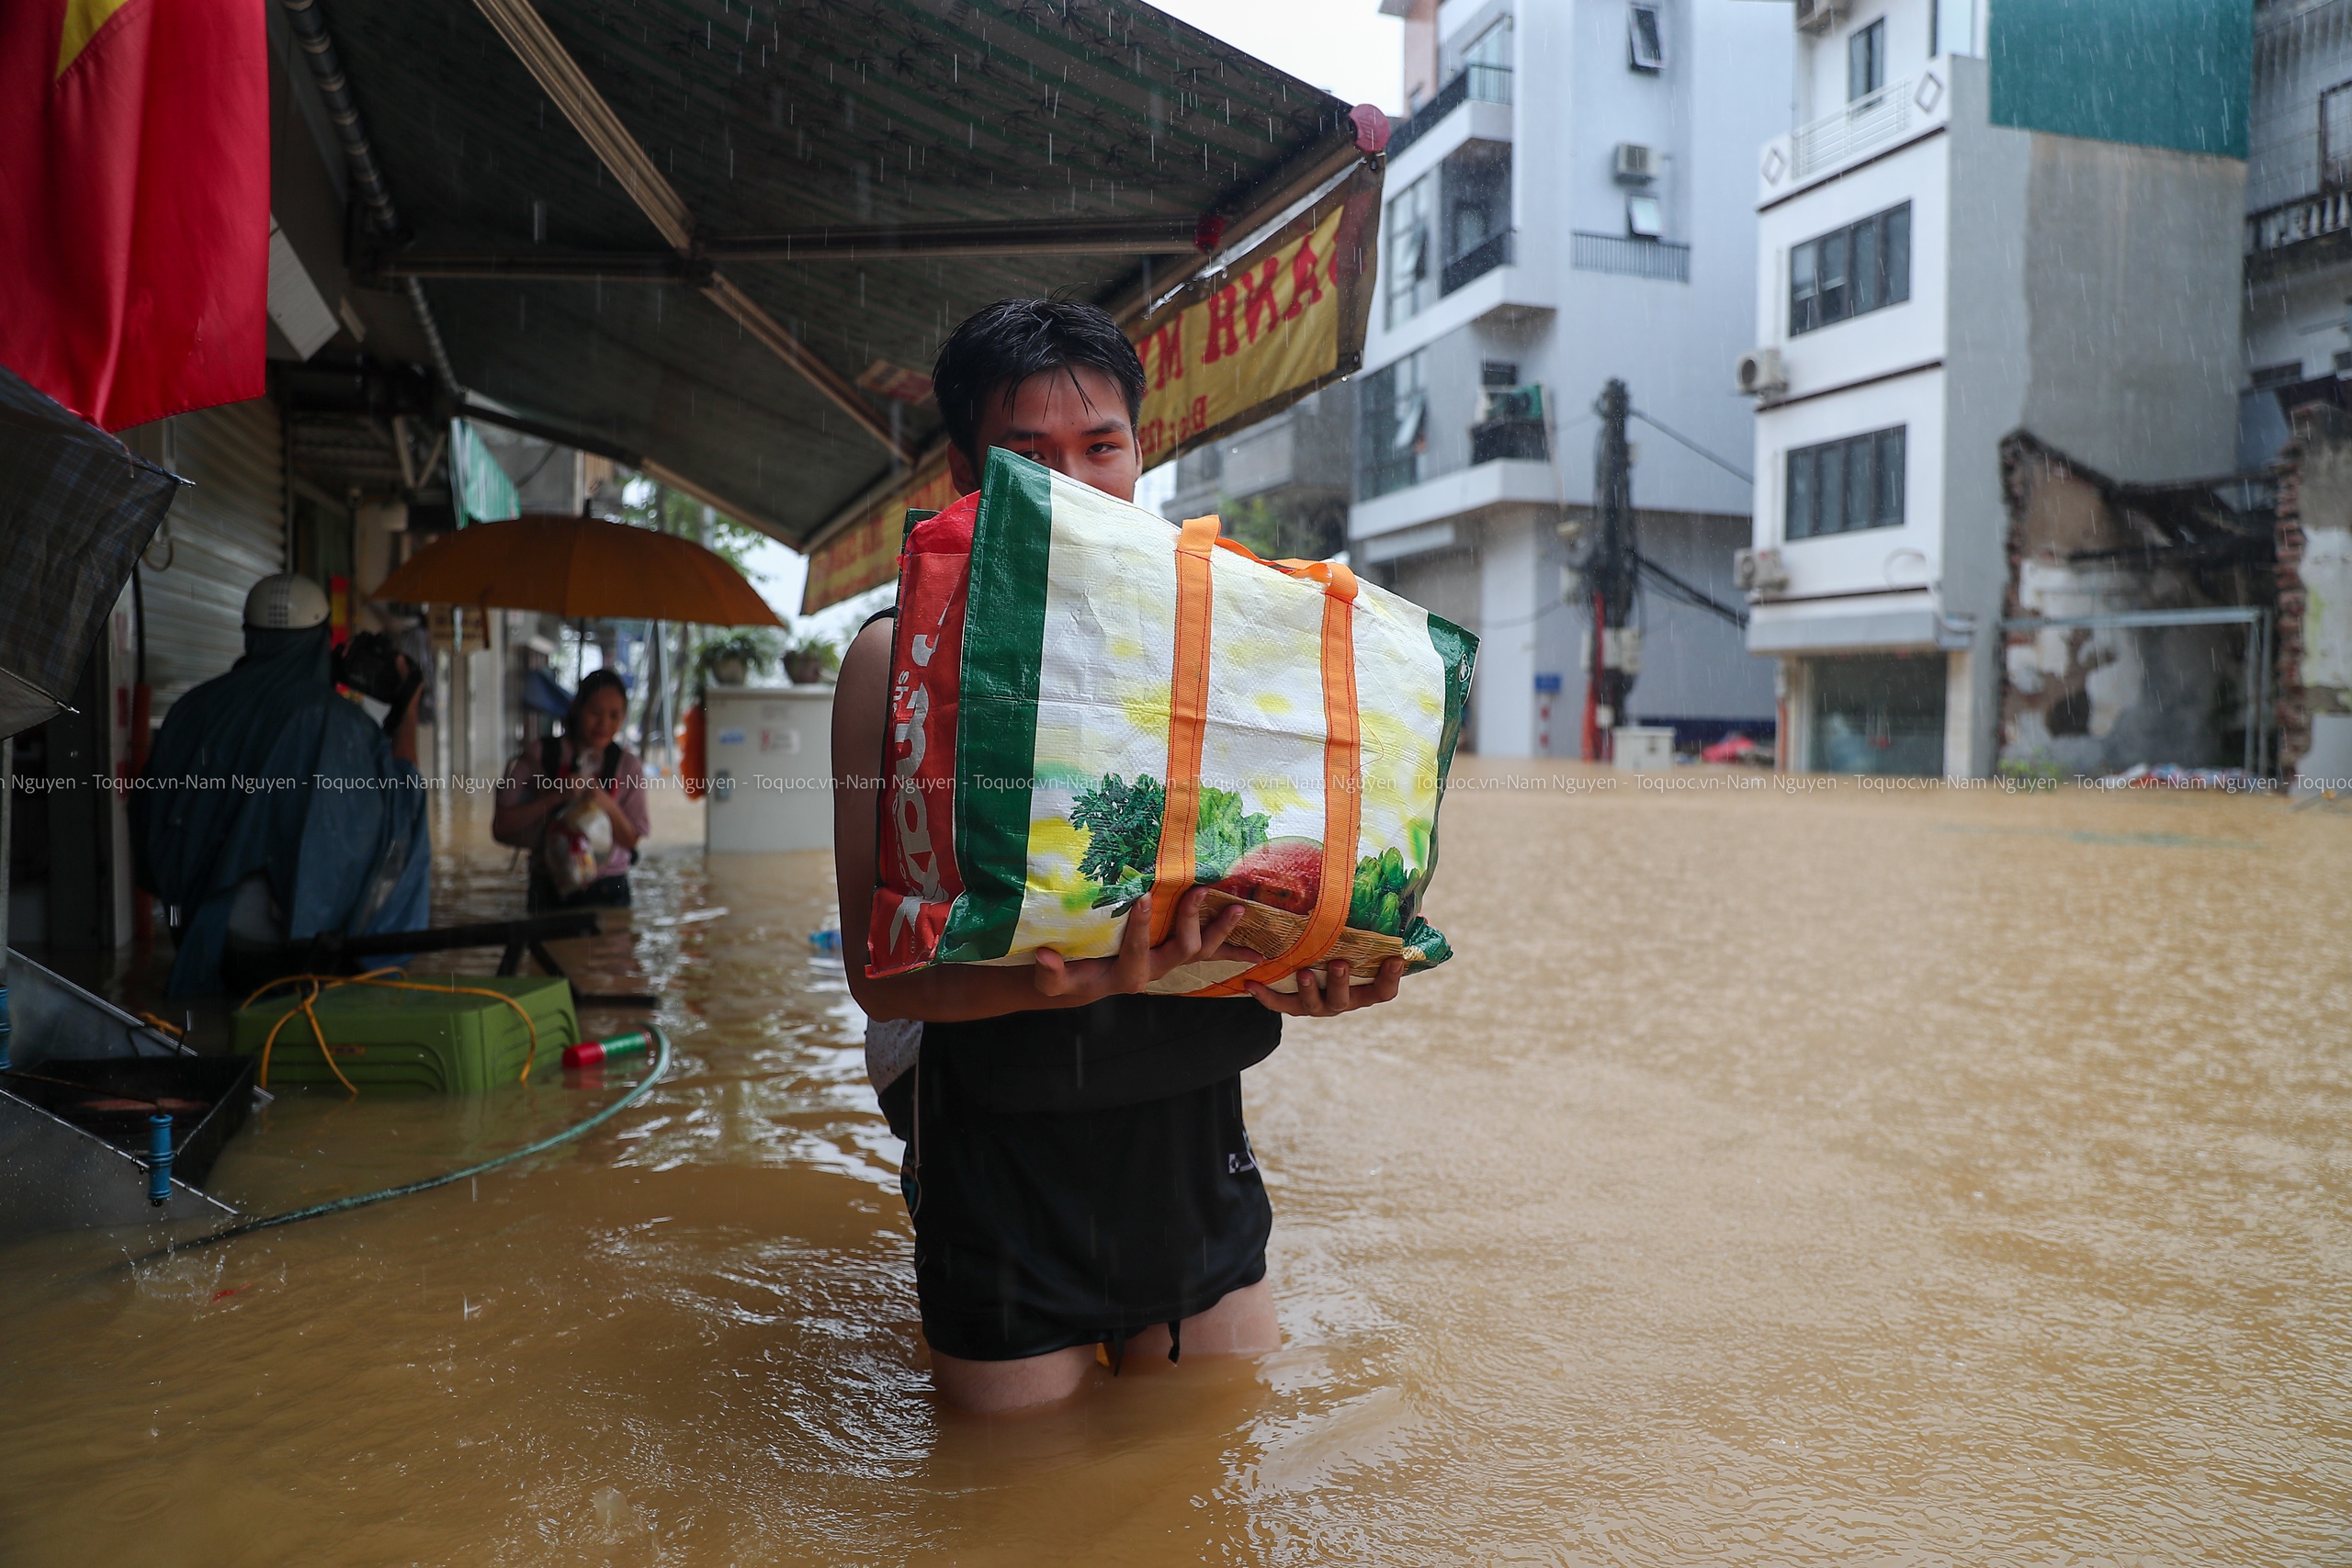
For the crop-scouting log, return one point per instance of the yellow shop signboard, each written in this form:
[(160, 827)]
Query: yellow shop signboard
[(1238, 344)]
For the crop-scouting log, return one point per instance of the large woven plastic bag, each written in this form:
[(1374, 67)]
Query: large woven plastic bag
[(1088, 703)]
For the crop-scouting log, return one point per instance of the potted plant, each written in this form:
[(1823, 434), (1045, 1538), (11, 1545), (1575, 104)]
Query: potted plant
[(734, 658), (811, 659)]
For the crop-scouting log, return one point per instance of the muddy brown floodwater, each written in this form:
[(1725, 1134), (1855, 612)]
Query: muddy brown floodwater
[(1925, 1177)]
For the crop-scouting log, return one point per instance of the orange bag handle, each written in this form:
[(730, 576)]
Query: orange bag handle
[(1188, 717), (1188, 722), (1335, 577)]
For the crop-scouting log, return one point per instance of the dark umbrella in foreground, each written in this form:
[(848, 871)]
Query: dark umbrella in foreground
[(76, 507)]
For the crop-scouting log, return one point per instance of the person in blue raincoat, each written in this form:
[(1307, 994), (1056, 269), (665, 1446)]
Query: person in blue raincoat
[(274, 810)]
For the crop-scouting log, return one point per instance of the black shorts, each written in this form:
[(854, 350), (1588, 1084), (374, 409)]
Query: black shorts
[(1037, 1231)]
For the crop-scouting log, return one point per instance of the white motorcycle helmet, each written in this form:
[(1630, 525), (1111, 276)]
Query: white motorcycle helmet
[(285, 603)]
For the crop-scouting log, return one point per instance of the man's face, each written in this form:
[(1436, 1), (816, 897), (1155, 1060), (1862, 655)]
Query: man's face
[(1074, 420)]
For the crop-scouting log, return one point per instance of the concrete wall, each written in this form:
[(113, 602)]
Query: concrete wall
[(2132, 285), (1695, 665), (1513, 600), (1989, 346), (1445, 583), (1421, 51)]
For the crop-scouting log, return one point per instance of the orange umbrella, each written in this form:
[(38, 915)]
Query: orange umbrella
[(580, 568)]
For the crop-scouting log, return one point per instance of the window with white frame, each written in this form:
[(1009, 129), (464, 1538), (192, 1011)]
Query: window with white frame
[(1850, 271), (1410, 266), (1645, 37), (1866, 61), (1842, 487)]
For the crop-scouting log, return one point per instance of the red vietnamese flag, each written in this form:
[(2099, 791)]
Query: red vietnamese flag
[(134, 203)]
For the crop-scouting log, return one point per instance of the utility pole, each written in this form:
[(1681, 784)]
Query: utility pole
[(1609, 572)]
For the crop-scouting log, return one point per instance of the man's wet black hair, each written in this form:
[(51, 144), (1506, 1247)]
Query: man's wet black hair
[(999, 346)]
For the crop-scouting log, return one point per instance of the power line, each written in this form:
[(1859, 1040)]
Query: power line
[(1486, 626), (1682, 592), (1723, 463)]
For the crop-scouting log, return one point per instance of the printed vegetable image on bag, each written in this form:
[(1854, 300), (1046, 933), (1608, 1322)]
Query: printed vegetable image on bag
[(1088, 703)]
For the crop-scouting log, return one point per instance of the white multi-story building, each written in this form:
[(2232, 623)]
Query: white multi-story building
[(1570, 202), (1991, 216)]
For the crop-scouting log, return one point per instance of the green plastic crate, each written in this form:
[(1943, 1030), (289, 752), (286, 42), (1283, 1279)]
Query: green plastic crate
[(447, 1041)]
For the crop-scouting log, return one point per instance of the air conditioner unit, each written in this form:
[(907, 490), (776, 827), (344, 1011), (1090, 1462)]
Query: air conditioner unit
[(1817, 15), (1759, 573), (1634, 164), (1759, 374)]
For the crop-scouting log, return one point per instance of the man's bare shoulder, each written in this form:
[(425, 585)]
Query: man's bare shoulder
[(865, 679), (872, 641)]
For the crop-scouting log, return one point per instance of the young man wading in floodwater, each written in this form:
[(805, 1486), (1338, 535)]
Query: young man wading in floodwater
[(1078, 1174)]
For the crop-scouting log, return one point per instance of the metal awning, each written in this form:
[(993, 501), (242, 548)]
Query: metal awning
[(678, 231)]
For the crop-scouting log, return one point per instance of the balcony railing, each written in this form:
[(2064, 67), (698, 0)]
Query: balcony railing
[(1874, 120), (1634, 258), (1488, 83), (2292, 222), (1480, 84), (1476, 262)]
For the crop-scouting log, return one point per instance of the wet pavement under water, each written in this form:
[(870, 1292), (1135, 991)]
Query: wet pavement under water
[(1836, 1178)]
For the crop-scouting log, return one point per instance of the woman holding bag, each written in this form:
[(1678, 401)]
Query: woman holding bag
[(577, 804)]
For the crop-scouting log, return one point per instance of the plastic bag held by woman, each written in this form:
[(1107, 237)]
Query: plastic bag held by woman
[(578, 803), (1087, 702)]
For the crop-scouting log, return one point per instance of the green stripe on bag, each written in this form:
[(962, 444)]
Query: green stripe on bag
[(1457, 652), (996, 736)]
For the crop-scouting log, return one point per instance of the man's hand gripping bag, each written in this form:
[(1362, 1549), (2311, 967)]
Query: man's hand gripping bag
[(1087, 703)]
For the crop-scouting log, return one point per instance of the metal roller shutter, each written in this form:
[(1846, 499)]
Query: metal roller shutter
[(226, 530)]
